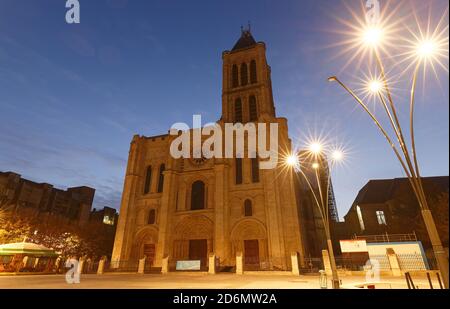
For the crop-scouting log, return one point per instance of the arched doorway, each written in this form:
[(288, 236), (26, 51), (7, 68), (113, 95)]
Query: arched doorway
[(193, 239), (249, 237), (145, 244)]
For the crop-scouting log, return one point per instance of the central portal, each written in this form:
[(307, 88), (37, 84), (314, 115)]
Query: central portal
[(149, 253), (251, 254), (198, 250)]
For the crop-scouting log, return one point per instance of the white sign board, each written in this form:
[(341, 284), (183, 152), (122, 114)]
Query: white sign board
[(348, 246)]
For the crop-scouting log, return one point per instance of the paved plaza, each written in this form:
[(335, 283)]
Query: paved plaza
[(193, 281)]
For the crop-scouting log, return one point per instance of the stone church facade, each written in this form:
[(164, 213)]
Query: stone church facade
[(186, 209)]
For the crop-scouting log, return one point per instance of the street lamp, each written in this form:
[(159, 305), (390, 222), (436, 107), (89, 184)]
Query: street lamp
[(372, 36), (425, 51), (374, 86), (320, 199), (315, 148)]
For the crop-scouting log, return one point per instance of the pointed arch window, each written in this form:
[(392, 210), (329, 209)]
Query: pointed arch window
[(198, 195), (235, 76), (253, 75), (151, 216), (238, 110), (244, 74), (252, 108), (248, 208), (148, 180), (238, 171), (162, 168)]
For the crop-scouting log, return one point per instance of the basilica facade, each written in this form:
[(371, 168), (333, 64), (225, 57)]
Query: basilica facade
[(185, 209)]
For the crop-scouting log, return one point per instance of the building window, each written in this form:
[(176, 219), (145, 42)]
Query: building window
[(244, 74), (255, 169), (252, 110), (108, 220), (381, 218), (198, 195), (238, 110), (148, 180), (248, 209), (360, 218), (253, 76), (235, 76), (238, 171), (162, 168), (152, 216)]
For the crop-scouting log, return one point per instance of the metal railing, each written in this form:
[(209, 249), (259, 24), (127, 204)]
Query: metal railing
[(122, 266), (383, 261), (387, 238), (312, 265), (411, 262)]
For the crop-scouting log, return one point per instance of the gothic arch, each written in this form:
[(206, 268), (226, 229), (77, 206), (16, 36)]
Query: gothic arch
[(197, 227), (144, 236), (248, 228), (194, 227)]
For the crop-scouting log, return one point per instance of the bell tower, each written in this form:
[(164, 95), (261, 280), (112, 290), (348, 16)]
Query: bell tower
[(247, 86)]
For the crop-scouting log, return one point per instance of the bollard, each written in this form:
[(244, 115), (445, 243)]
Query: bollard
[(239, 266), (165, 265), (141, 268), (80, 265), (101, 266), (212, 264), (294, 261)]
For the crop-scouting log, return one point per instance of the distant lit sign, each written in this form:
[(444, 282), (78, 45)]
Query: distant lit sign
[(348, 246), (188, 265)]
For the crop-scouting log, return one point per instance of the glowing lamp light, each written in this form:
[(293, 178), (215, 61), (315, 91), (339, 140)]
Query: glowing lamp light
[(372, 36), (337, 155), (375, 86), (315, 148), (292, 160), (315, 166), (426, 48)]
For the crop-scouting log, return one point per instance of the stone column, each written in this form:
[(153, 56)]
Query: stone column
[(212, 264), (239, 264), (141, 268), (294, 261), (221, 236), (167, 201), (274, 222), (182, 197), (326, 262), (393, 262)]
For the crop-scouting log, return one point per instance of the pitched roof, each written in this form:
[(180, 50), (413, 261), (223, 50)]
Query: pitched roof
[(382, 190), (245, 41)]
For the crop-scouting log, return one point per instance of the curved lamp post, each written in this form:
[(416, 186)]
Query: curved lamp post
[(320, 198), (407, 157)]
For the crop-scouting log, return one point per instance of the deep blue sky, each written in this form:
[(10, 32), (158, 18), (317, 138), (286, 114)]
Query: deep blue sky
[(72, 96)]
